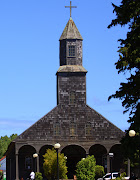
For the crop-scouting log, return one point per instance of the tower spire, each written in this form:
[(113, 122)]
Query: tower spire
[(70, 7)]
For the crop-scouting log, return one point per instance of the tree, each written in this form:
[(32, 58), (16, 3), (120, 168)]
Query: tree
[(99, 171), (50, 165), (128, 13), (86, 168), (4, 142), (38, 176)]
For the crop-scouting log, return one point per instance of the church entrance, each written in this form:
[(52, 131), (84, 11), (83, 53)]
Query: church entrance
[(41, 158), (100, 154), (26, 161), (116, 163), (74, 154)]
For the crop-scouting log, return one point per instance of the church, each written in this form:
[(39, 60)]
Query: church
[(79, 129)]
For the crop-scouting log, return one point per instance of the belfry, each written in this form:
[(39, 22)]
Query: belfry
[(79, 129)]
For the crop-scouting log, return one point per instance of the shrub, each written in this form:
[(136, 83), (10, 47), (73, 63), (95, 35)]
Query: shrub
[(50, 165), (122, 175), (99, 171), (86, 168), (38, 176)]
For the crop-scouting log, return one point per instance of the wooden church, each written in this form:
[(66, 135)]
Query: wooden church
[(79, 129)]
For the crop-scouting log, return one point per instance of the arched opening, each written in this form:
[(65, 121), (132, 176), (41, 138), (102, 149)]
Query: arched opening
[(41, 158), (26, 161), (74, 154), (100, 154), (116, 162)]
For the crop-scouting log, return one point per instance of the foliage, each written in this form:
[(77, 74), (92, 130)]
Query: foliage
[(135, 162), (4, 142), (50, 165), (122, 175), (99, 171), (130, 147), (86, 168), (128, 13), (38, 176)]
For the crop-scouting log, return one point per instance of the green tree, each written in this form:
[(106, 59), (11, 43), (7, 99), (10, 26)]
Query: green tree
[(86, 168), (128, 13), (38, 176), (4, 142), (99, 171), (50, 165), (13, 136)]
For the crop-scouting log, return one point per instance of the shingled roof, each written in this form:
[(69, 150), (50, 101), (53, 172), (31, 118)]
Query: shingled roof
[(102, 129), (71, 68), (71, 31)]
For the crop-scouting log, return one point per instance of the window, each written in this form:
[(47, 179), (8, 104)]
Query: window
[(88, 129), (28, 162), (72, 129), (72, 97), (71, 51), (57, 129)]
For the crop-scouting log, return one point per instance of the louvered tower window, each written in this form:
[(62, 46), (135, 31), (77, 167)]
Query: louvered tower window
[(71, 51)]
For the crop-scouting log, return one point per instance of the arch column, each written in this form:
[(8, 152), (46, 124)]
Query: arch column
[(37, 160), (108, 160), (17, 160), (128, 168), (87, 151), (108, 163), (17, 169)]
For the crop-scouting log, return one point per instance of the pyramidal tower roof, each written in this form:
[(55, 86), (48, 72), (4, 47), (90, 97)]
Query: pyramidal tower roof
[(71, 31)]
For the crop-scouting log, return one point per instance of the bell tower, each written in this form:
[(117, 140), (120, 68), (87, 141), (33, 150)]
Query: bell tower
[(71, 45), (71, 75)]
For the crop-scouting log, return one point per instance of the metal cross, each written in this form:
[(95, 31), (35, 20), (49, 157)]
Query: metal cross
[(70, 7)]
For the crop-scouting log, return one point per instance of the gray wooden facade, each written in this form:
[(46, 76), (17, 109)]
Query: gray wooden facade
[(79, 129)]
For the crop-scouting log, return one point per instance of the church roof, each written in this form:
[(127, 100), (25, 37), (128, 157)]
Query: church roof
[(71, 31), (101, 128), (71, 68)]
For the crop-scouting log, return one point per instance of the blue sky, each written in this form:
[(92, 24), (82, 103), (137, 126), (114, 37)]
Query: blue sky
[(29, 58)]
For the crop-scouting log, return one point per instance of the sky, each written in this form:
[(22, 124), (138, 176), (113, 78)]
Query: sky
[(29, 59)]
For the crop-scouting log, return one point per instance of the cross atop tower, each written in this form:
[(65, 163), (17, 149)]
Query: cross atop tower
[(70, 7)]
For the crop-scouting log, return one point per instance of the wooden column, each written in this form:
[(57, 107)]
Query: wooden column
[(17, 169), (128, 168), (108, 163), (37, 160)]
